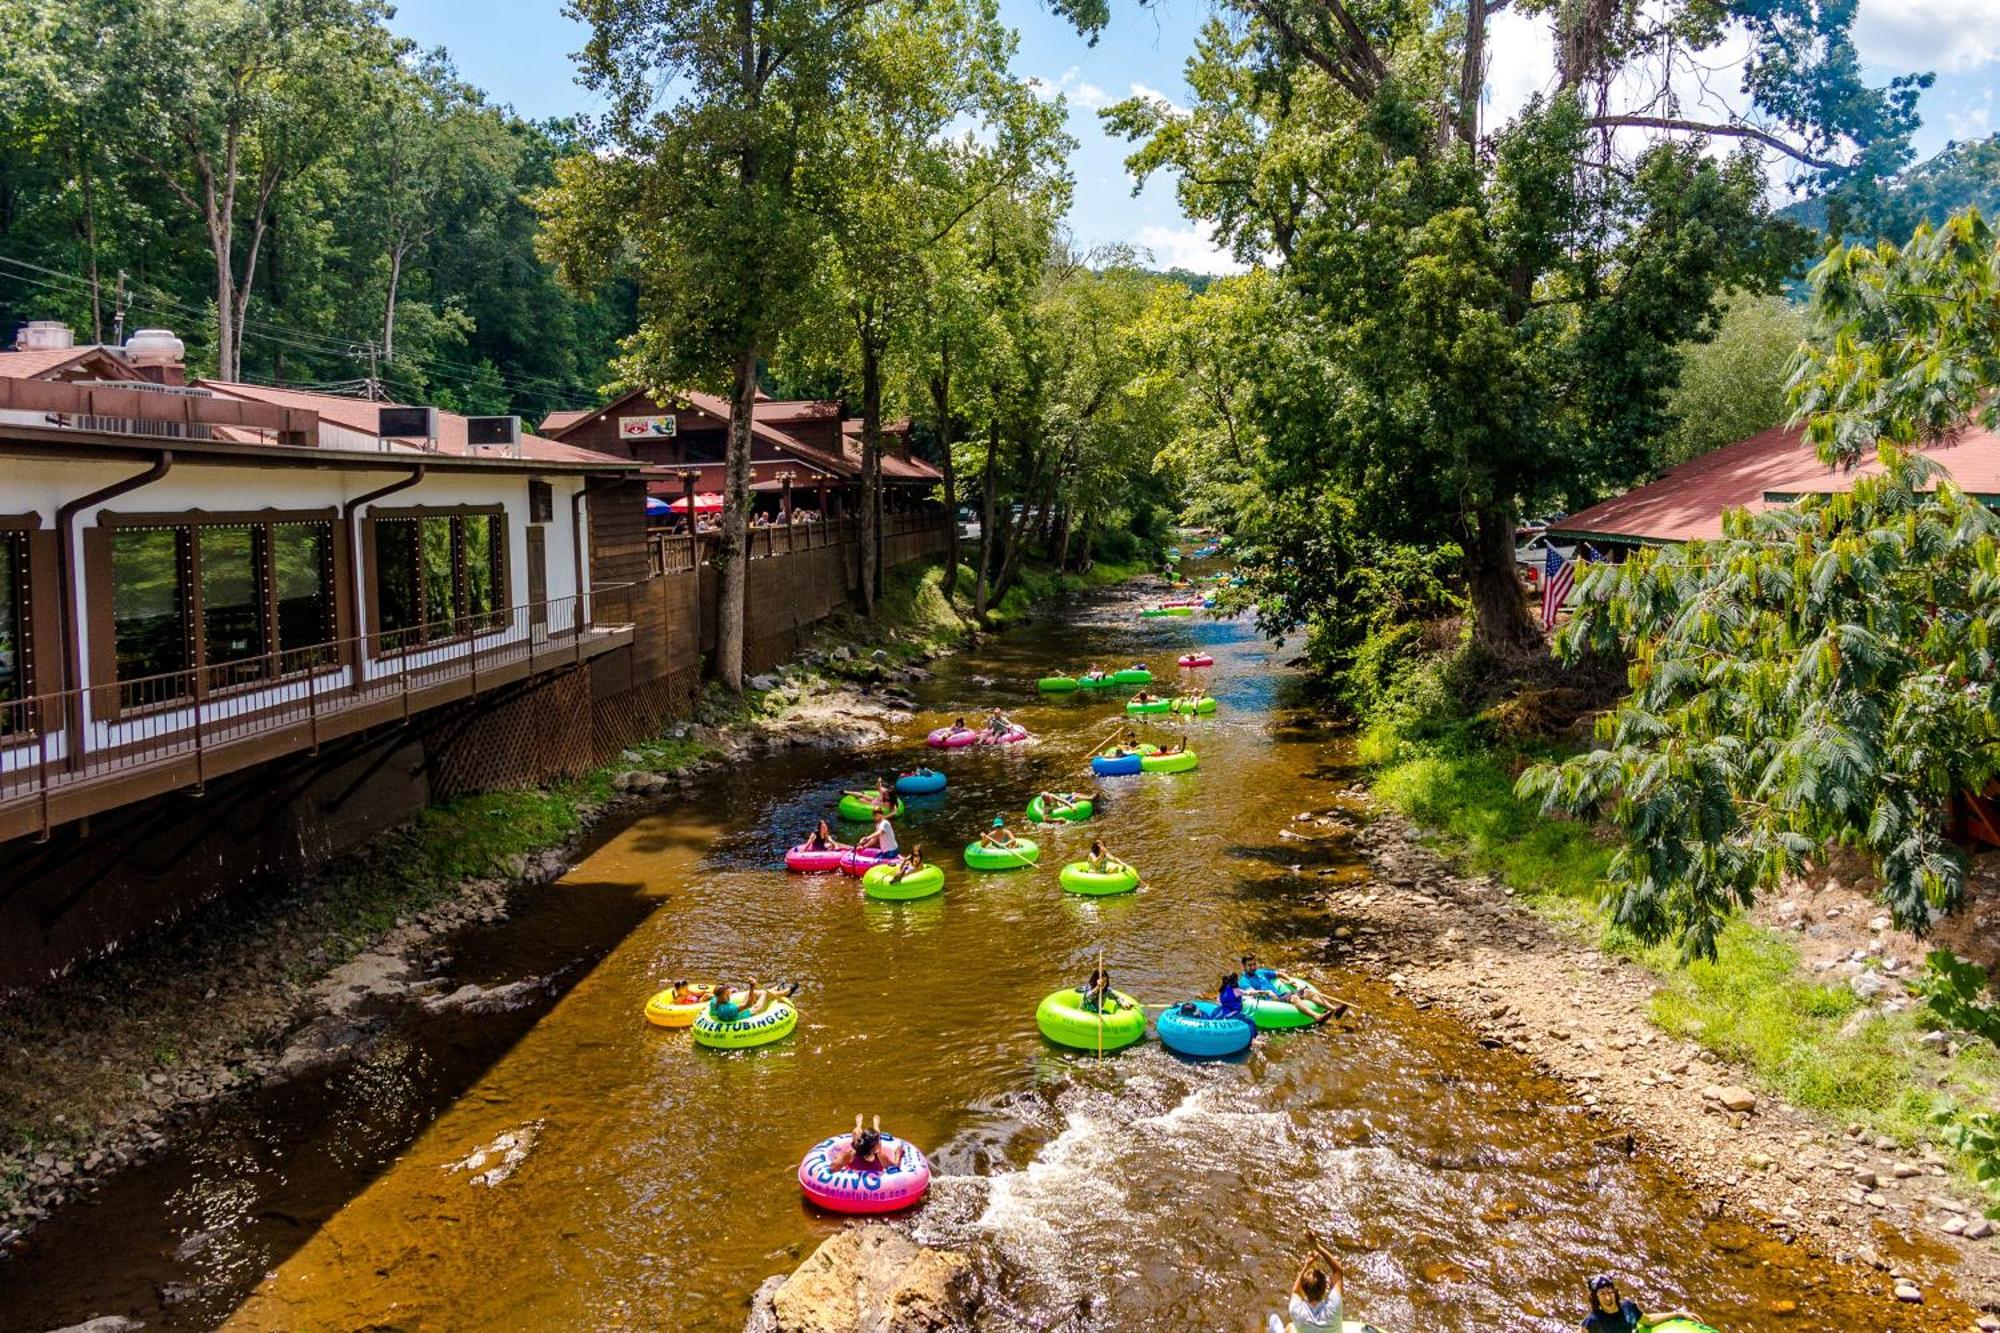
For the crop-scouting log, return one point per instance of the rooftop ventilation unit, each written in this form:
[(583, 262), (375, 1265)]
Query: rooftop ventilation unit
[(499, 434), (409, 423), (45, 335)]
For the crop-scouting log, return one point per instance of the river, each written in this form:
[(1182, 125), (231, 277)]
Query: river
[(1136, 1191)]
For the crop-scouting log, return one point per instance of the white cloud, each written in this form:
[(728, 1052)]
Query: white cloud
[(1192, 248), (1974, 121), (1155, 95), (1079, 90), (1521, 62), (1953, 35)]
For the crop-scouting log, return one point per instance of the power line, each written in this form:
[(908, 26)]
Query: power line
[(462, 374)]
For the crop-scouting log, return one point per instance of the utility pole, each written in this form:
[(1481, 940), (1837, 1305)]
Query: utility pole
[(373, 351), (118, 313)]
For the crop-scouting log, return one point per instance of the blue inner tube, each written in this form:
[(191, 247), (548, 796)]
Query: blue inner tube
[(1205, 1033), (922, 783), (1110, 767)]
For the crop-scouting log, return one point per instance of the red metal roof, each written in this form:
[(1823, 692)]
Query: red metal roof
[(1768, 469)]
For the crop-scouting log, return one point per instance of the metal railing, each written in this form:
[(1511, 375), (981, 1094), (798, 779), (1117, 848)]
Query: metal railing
[(287, 699), (680, 552)]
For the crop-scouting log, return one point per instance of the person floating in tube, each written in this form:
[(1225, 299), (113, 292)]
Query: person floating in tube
[(1058, 803), (1096, 994), (1612, 1313), (1263, 982), (882, 840), (999, 835), (865, 1150), (1315, 1306), (821, 839), (998, 723), (908, 865), (735, 1002)]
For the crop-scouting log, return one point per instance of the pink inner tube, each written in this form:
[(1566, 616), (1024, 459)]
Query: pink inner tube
[(944, 738), (1197, 660), (856, 862), (814, 861), (1012, 735), (864, 1191)]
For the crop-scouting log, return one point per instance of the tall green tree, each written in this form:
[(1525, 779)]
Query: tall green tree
[(1733, 385), (1825, 673), (721, 120), (898, 187), (1487, 318), (226, 101)]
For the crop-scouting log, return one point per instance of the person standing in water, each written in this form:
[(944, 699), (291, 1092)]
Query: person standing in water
[(1315, 1306), (1612, 1313)]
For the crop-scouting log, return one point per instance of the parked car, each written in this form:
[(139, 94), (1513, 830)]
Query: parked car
[(1533, 554)]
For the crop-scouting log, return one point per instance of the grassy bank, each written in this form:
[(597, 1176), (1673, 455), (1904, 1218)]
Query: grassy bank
[(1802, 1039)]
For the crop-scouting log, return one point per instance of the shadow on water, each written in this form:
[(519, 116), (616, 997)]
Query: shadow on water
[(1133, 1191)]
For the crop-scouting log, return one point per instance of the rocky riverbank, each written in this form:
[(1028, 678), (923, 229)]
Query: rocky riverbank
[(1583, 1016)]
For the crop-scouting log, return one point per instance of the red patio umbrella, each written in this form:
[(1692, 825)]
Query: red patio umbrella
[(708, 502)]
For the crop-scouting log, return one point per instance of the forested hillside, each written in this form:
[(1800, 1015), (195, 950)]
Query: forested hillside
[(346, 203)]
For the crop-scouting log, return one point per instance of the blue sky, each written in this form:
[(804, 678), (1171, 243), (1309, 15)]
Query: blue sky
[(520, 53)]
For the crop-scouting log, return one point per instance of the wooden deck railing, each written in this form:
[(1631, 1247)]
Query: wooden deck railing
[(181, 728), (679, 552)]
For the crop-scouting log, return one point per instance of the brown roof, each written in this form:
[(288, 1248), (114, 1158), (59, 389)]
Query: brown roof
[(798, 409), (45, 364), (556, 422), (719, 408), (362, 416), (1768, 469), (893, 468)]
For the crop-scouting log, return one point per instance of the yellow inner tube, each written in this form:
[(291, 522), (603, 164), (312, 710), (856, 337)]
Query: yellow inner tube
[(666, 1012)]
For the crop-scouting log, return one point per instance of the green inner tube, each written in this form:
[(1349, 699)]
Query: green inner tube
[(1133, 676), (857, 811), (1094, 682), (1064, 1021), (1183, 762), (1136, 706), (1024, 853), (1274, 1013), (879, 883), (1203, 705), (776, 1020), (1078, 877), (1177, 610), (1075, 814), (1056, 684), (1154, 612), (1682, 1326)]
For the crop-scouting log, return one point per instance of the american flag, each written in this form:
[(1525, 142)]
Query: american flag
[(1557, 575)]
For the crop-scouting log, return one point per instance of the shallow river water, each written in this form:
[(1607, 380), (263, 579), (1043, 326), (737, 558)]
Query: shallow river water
[(1132, 1192)]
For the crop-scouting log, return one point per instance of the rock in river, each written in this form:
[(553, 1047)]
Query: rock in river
[(869, 1279)]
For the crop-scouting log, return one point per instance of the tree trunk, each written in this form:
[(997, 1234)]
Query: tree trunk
[(90, 242), (941, 403), (225, 312), (1017, 536), (389, 306), (1062, 540), (733, 554), (989, 484), (1499, 609), (871, 468)]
